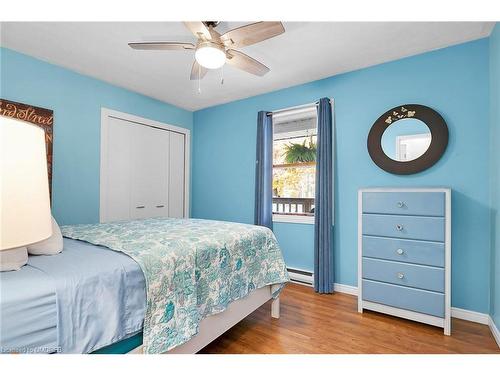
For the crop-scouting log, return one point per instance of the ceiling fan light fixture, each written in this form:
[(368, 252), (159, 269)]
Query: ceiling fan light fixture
[(210, 55), (213, 49)]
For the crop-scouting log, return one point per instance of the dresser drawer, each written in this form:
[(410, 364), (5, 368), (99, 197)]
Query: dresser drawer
[(412, 227), (411, 275), (421, 301), (404, 203), (410, 251)]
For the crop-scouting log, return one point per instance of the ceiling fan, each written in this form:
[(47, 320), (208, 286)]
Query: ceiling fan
[(213, 49)]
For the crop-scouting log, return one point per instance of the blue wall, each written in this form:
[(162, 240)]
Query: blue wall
[(495, 173), (76, 101), (454, 81)]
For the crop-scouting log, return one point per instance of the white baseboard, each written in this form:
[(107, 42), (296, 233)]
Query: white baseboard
[(494, 330), (302, 278), (471, 316), (344, 288)]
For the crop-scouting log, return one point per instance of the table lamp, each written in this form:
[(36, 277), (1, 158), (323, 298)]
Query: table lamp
[(25, 216)]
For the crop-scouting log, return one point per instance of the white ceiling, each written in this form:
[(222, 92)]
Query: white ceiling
[(307, 51)]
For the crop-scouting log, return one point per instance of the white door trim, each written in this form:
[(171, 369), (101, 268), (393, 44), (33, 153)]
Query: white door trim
[(110, 113)]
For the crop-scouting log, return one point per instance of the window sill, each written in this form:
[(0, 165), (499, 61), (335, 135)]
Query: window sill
[(296, 219)]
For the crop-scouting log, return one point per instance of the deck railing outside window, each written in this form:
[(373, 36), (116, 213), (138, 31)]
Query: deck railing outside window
[(293, 206)]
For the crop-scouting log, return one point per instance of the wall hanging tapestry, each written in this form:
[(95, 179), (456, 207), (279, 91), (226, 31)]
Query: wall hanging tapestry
[(41, 117)]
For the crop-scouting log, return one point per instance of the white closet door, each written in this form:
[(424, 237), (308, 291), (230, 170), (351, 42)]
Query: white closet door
[(149, 172), (142, 169), (176, 180), (160, 173), (117, 170)]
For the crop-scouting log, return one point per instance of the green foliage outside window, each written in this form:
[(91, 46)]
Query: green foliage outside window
[(300, 152)]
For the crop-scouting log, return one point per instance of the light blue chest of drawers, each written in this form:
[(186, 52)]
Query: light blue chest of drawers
[(404, 253)]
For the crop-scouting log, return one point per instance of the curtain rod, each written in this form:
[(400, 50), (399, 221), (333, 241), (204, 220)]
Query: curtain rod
[(316, 103)]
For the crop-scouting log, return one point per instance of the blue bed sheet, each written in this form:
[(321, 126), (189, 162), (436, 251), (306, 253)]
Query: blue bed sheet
[(98, 298), (28, 312)]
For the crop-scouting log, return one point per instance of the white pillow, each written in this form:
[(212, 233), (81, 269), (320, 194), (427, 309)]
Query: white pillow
[(13, 259), (50, 246)]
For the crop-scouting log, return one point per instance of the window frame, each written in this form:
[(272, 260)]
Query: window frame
[(294, 219)]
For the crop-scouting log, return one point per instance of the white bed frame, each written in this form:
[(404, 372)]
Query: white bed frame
[(215, 325)]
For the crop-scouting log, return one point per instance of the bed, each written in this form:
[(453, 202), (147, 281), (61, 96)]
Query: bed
[(93, 298)]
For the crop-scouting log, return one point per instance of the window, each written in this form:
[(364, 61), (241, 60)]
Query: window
[(294, 165)]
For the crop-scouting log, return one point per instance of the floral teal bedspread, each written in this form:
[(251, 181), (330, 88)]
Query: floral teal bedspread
[(193, 268)]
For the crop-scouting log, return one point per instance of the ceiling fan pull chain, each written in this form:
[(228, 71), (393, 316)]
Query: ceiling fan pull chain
[(199, 79)]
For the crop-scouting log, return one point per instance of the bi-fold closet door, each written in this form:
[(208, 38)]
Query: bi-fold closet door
[(149, 172), (144, 169)]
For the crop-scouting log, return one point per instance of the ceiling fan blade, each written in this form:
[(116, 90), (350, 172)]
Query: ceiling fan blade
[(161, 46), (244, 62), (214, 34), (199, 30), (197, 71), (251, 34)]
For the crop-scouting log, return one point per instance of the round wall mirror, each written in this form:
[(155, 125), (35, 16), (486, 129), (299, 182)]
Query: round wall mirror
[(408, 139)]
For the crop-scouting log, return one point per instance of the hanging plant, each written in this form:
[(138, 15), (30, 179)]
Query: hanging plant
[(300, 153)]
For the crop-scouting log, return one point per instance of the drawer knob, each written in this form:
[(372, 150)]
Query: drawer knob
[(400, 251), (399, 227), (400, 275), (401, 204)]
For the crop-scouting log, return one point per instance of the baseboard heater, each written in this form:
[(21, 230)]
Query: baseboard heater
[(301, 276)]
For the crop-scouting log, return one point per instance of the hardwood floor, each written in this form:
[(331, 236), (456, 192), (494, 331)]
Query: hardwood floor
[(314, 323)]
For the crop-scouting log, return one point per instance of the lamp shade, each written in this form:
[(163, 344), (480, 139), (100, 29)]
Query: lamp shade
[(24, 188)]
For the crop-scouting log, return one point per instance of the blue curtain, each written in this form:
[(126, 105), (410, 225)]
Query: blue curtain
[(264, 171), (323, 206)]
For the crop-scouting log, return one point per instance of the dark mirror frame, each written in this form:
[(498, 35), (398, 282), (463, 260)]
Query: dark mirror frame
[(439, 139)]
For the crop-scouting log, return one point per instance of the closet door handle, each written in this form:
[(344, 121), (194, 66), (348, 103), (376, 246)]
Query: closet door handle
[(140, 206), (160, 206)]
